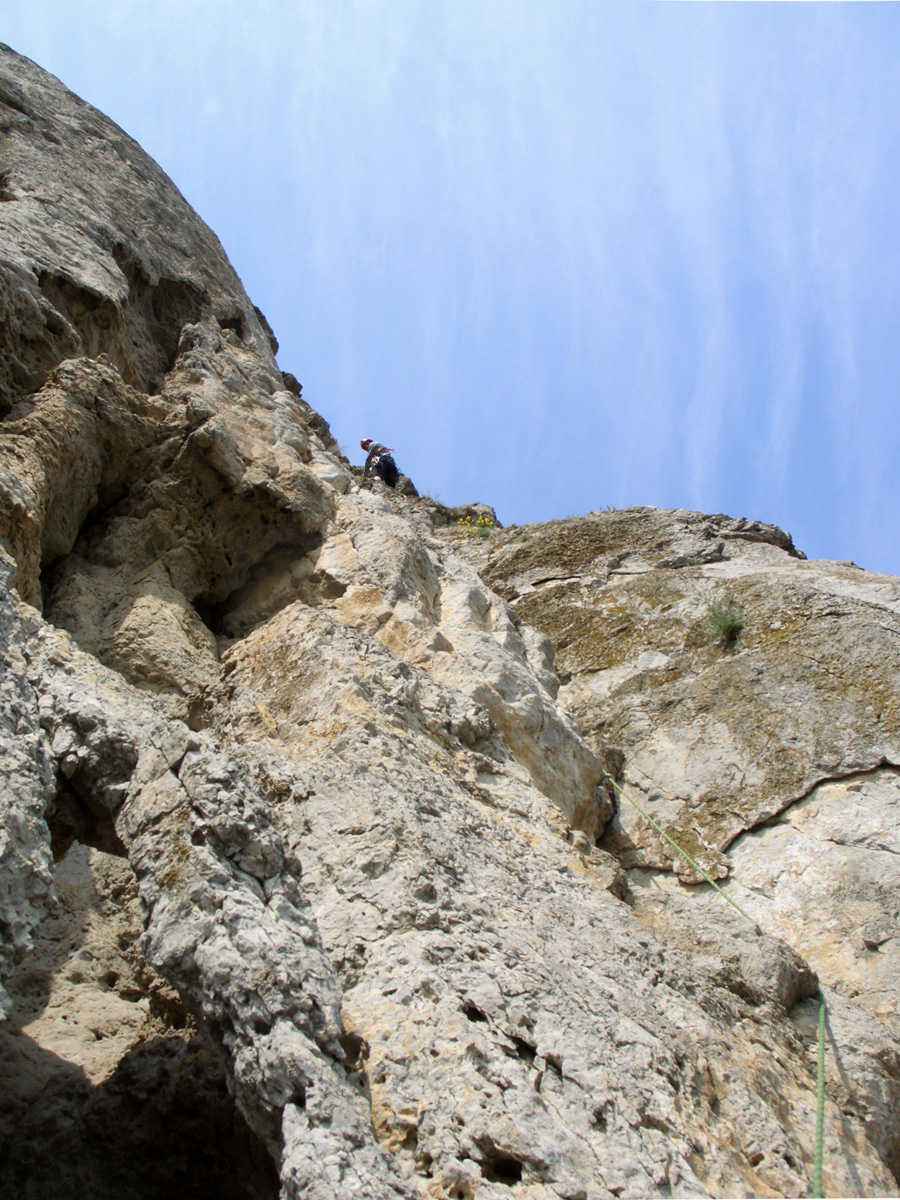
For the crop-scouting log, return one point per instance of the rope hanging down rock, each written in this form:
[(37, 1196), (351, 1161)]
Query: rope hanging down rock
[(820, 1071)]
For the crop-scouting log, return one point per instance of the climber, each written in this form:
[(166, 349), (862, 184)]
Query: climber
[(379, 462)]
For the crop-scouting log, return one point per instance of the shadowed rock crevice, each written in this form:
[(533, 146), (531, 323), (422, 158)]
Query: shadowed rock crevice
[(162, 1125), (284, 574), (101, 1065), (497, 1167), (139, 336), (75, 815), (68, 452), (12, 100), (197, 527)]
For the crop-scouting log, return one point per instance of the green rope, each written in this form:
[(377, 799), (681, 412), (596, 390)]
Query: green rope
[(820, 1103), (820, 1074), (684, 854)]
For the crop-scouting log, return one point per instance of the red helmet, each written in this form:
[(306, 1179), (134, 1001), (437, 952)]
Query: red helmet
[(365, 443)]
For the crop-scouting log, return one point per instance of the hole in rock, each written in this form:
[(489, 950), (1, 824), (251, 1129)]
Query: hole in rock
[(410, 1143), (77, 815), (172, 305), (92, 777), (498, 1167), (130, 266), (524, 1049), (198, 717), (599, 1117), (473, 1012), (236, 324), (356, 1049), (554, 1064), (281, 575)]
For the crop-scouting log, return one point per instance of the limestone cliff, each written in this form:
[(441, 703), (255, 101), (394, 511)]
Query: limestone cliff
[(308, 853)]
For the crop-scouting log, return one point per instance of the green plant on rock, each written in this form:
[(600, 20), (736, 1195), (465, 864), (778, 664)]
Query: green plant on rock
[(482, 528), (724, 618)]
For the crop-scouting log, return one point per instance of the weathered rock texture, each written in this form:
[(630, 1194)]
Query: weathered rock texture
[(354, 853)]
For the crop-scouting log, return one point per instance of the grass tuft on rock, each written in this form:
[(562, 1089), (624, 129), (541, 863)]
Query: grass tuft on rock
[(725, 618)]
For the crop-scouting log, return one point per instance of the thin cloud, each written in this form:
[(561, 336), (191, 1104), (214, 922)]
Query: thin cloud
[(561, 256)]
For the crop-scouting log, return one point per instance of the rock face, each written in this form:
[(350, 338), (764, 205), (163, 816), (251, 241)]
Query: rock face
[(358, 917)]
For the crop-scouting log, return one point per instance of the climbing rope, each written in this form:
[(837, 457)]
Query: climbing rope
[(820, 1072), (820, 1102), (684, 854)]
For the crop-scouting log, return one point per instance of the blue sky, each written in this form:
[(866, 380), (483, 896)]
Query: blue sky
[(560, 256)]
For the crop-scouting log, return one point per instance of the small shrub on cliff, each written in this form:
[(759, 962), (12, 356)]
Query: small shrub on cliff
[(725, 618), (482, 528)]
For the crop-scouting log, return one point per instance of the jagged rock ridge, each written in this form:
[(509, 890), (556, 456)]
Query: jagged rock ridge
[(379, 890)]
